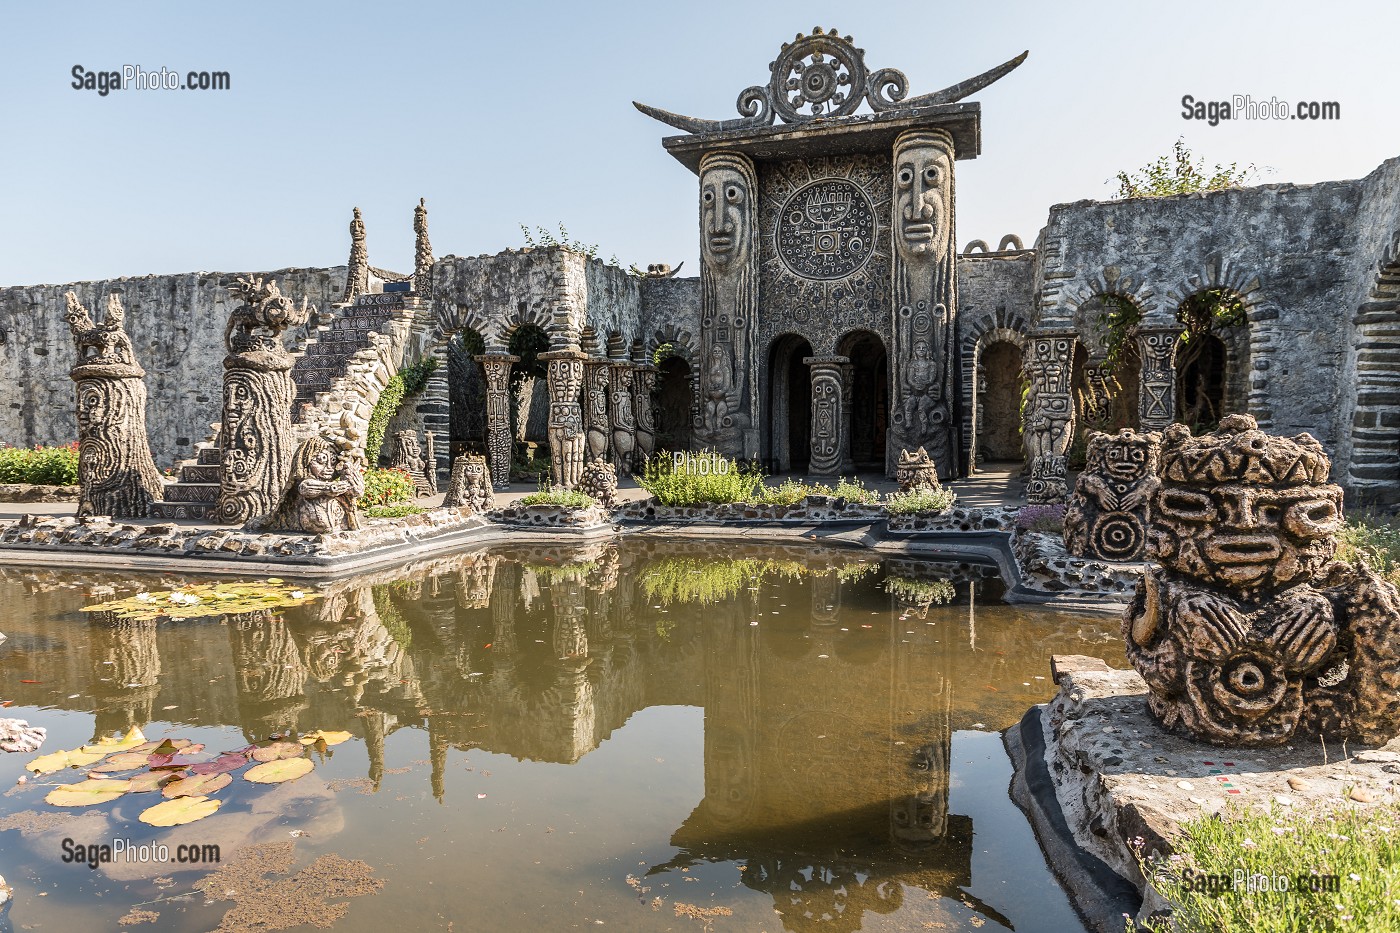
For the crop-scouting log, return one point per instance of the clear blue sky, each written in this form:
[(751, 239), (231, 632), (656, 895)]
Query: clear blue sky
[(508, 113)]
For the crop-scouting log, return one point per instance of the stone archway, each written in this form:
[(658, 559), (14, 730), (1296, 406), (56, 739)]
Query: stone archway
[(869, 403), (999, 402), (789, 404), (673, 401), (466, 394)]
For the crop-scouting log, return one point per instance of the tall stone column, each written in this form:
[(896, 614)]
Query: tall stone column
[(116, 475), (499, 440), (828, 409), (624, 414), (643, 382), (258, 395), (565, 374), (597, 384), (1157, 391), (1049, 418)]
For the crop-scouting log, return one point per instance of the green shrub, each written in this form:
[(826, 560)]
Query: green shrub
[(920, 500), (566, 498), (703, 477), (386, 487), (1359, 848), (43, 466), (392, 511), (1374, 540), (788, 492), (408, 381)]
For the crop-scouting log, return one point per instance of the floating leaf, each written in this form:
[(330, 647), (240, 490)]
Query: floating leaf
[(275, 772), (197, 785), (111, 744), (86, 793), (148, 781), (170, 746), (57, 761), (330, 738), (206, 599), (277, 751), (229, 762), (123, 761), (179, 811)]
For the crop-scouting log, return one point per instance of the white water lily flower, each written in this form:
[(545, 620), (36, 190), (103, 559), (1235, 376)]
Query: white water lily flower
[(297, 594)]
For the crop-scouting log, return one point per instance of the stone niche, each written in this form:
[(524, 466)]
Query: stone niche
[(1246, 630)]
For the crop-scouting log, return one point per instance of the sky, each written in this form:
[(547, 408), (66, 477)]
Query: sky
[(503, 114)]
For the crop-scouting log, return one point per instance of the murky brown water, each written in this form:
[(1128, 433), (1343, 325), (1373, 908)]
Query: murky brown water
[(638, 736)]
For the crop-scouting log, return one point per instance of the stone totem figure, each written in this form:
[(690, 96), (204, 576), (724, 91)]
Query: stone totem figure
[(599, 480), (1246, 631), (1106, 517), (322, 491), (728, 303), (470, 485), (258, 395), (597, 379), (1096, 395), (357, 267), (1157, 392), (645, 381), (624, 415), (408, 456), (1049, 416), (115, 472), (827, 428), (925, 298), (422, 252), (564, 362), (916, 471), (499, 439)]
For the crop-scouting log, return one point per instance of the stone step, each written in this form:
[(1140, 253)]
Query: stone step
[(210, 456), (197, 511), (192, 492), (199, 473)]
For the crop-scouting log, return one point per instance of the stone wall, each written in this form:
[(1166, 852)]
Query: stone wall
[(996, 302), (176, 324)]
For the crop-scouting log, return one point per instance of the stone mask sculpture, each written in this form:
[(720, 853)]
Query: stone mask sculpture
[(1245, 633), (408, 456), (599, 480), (1106, 517), (470, 485), (916, 471), (321, 493)]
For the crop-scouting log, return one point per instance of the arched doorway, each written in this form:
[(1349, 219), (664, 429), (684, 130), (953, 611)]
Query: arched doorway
[(999, 402), (530, 395), (1209, 318), (870, 398), (671, 402), (466, 394), (789, 404)]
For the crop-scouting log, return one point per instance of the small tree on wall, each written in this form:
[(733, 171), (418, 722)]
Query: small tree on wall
[(1182, 173)]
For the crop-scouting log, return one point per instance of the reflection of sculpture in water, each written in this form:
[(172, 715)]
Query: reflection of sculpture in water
[(268, 674), (125, 672), (321, 491), (342, 641)]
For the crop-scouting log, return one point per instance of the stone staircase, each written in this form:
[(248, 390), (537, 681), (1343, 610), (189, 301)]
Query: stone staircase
[(327, 355), (194, 495)]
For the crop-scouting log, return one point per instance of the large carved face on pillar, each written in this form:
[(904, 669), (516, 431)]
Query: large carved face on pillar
[(923, 195), (727, 193)]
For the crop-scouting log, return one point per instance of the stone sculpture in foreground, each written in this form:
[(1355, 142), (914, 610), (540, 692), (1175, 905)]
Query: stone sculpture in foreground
[(916, 471), (1106, 517), (256, 431), (322, 491), (115, 471), (470, 485), (599, 480), (1248, 632), (408, 456)]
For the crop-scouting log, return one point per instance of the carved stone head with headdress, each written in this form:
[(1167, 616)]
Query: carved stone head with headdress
[(923, 194), (728, 201)]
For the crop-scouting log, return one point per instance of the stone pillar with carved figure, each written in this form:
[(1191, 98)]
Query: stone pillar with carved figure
[(1157, 390), (828, 410), (564, 362), (499, 439), (1049, 413), (597, 382), (643, 382), (620, 407)]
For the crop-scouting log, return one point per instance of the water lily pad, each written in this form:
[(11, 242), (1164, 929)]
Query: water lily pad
[(277, 751), (123, 761), (275, 772), (111, 744), (206, 599), (164, 746), (57, 761), (148, 781), (86, 793), (179, 811), (228, 762), (196, 785), (166, 754), (330, 738)]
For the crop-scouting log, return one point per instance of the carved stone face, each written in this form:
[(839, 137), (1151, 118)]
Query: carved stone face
[(93, 408), (923, 180), (1124, 458), (322, 465), (725, 213)]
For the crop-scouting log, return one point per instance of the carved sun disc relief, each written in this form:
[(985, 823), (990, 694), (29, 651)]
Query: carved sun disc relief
[(826, 230)]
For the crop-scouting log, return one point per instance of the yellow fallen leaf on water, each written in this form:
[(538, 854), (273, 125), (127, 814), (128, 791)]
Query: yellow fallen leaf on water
[(57, 761), (109, 744), (179, 811), (330, 738), (86, 793), (275, 772)]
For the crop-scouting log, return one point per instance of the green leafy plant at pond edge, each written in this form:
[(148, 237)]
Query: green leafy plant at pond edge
[(393, 511), (920, 592), (39, 465), (920, 500), (705, 477), (386, 486), (1358, 847)]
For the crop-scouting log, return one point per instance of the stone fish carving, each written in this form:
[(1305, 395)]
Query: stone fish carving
[(322, 491), (916, 471), (470, 485), (599, 480), (115, 471), (1248, 633), (408, 456), (1106, 517)]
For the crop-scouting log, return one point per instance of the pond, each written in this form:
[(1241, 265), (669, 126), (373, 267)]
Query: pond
[(638, 735)]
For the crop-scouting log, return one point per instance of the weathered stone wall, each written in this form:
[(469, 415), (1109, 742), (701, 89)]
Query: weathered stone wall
[(670, 312), (996, 301), (176, 323)]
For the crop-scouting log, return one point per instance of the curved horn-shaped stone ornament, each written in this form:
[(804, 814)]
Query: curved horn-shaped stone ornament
[(954, 92)]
